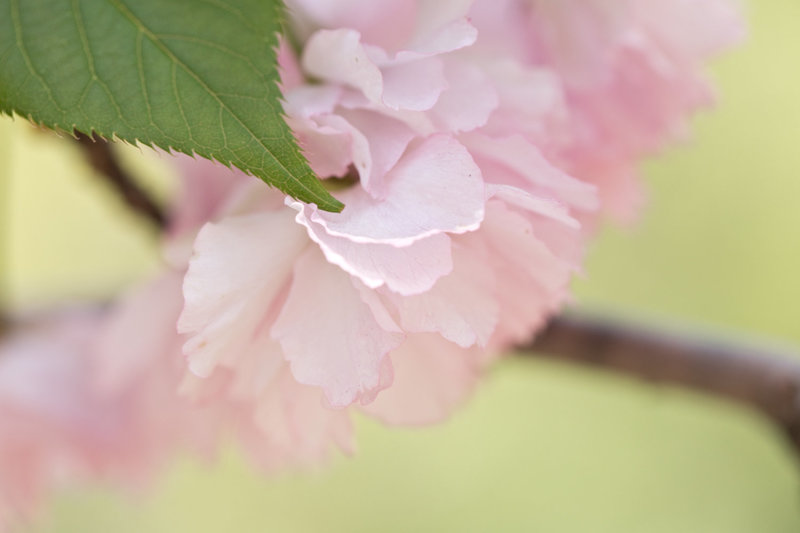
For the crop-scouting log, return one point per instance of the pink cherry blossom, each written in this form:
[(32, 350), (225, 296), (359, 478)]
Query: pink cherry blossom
[(475, 145), (471, 138)]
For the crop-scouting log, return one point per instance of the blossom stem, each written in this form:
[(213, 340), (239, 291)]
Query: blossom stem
[(765, 379), (101, 157)]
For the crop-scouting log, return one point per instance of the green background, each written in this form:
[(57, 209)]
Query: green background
[(542, 447)]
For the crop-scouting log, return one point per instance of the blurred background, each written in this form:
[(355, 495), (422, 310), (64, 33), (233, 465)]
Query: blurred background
[(542, 447)]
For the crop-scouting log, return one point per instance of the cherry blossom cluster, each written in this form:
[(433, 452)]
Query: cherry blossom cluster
[(475, 145)]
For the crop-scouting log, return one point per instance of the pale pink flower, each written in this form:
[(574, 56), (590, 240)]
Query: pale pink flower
[(471, 137), (474, 144), (439, 233)]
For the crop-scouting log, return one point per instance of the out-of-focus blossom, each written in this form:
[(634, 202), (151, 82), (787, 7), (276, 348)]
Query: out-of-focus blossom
[(630, 72), (62, 422), (48, 431)]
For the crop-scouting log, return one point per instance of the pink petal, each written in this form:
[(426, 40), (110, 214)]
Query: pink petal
[(338, 56), (238, 268), (432, 377), (329, 335), (307, 101), (385, 23), (452, 36), (544, 207), (469, 100), (461, 306), (580, 35), (204, 189), (385, 141), (408, 270), (291, 75), (257, 368), (413, 85), (698, 29), (620, 188), (532, 101), (442, 26), (522, 159), (531, 280), (124, 354), (298, 429), (371, 141), (435, 188), (329, 143), (413, 82)]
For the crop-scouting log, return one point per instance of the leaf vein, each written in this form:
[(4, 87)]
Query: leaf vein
[(165, 50), (145, 93), (87, 51), (15, 18), (178, 101), (233, 11)]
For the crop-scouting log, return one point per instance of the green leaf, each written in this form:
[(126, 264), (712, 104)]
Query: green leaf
[(196, 76)]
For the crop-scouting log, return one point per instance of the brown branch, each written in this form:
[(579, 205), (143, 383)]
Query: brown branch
[(767, 380), (100, 156)]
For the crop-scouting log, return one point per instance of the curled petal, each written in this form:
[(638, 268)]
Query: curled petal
[(386, 139), (330, 144), (339, 56), (544, 207), (407, 270), (435, 188)]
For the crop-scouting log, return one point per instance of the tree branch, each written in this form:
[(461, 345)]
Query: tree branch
[(767, 380), (100, 156)]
